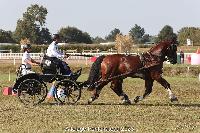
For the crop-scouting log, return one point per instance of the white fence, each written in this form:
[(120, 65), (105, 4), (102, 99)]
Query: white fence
[(18, 55), (39, 55)]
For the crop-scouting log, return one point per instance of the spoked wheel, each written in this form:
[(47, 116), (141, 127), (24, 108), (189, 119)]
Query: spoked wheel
[(32, 91), (67, 91)]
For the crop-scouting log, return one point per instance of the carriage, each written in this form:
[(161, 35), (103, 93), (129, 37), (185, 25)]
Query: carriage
[(32, 89), (111, 68)]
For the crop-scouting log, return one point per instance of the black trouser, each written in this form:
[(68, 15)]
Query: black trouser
[(64, 68)]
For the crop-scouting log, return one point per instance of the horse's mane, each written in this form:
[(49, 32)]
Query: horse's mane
[(155, 56), (157, 49)]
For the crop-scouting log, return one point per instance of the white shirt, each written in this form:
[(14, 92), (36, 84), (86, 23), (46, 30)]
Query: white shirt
[(52, 51), (26, 56)]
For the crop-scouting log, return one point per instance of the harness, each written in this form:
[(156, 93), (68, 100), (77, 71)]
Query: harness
[(149, 60)]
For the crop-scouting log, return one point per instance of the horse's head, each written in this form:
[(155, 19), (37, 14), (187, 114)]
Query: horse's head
[(171, 53), (165, 49)]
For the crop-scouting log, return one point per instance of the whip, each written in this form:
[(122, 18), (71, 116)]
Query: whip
[(85, 55)]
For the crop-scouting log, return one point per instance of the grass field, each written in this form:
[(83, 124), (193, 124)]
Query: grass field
[(155, 114)]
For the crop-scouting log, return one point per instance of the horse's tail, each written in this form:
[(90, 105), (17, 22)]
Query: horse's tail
[(95, 72)]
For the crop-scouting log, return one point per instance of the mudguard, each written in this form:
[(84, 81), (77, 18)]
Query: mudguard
[(22, 78)]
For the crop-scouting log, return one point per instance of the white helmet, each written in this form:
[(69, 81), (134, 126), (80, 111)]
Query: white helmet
[(25, 46)]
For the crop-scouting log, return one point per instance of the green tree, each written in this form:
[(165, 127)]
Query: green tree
[(74, 35), (45, 36), (6, 36), (32, 25), (166, 34), (112, 35), (145, 38), (86, 38), (98, 40), (191, 33), (137, 33), (152, 38), (36, 14)]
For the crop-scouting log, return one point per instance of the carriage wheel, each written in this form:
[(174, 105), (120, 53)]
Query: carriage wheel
[(32, 91), (67, 91)]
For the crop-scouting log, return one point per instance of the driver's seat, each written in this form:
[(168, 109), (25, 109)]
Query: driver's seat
[(49, 66)]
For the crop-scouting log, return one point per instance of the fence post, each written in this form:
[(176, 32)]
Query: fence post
[(14, 61), (86, 61), (9, 75), (188, 70), (199, 76)]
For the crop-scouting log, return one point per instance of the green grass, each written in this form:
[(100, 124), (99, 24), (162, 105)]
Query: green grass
[(155, 114)]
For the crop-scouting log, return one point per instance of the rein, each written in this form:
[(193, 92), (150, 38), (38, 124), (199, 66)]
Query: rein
[(120, 76)]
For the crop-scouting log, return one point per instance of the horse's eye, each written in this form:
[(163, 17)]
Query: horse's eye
[(174, 47)]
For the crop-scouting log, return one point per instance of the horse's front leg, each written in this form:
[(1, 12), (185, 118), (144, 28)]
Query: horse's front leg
[(96, 91), (95, 95), (148, 90), (166, 85)]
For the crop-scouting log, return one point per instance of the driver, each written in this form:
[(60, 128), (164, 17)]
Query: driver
[(27, 61), (56, 56)]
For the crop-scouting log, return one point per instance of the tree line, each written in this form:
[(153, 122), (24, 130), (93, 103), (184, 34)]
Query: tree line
[(32, 26)]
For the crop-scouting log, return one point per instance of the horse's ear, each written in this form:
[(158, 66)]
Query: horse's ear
[(174, 41)]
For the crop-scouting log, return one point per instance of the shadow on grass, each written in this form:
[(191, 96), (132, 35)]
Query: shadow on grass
[(170, 104), (138, 104)]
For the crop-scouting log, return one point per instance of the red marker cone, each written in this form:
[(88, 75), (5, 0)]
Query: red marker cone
[(7, 91)]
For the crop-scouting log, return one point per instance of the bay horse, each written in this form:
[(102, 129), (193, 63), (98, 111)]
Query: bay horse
[(147, 66)]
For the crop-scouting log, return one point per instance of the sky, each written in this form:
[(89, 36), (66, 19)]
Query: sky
[(100, 17)]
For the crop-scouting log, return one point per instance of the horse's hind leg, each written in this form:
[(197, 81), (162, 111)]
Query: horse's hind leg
[(116, 86), (165, 84), (148, 90)]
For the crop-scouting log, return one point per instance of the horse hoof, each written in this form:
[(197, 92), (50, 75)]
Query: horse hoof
[(126, 102), (136, 100), (174, 99), (90, 100)]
